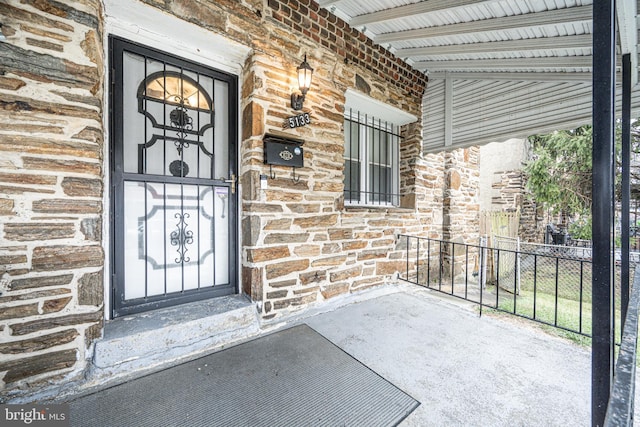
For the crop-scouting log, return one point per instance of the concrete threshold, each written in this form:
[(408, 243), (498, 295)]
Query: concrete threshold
[(139, 344)]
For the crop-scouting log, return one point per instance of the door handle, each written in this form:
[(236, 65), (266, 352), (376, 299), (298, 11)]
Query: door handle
[(232, 181)]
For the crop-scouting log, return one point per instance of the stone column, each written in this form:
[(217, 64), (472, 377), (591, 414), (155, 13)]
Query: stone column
[(51, 191)]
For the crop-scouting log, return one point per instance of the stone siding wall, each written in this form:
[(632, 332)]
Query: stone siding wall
[(509, 194), (51, 189), (300, 244), (460, 205)]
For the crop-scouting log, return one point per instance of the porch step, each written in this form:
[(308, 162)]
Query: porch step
[(139, 344)]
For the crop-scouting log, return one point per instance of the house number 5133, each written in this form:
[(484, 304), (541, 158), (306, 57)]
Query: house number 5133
[(297, 121)]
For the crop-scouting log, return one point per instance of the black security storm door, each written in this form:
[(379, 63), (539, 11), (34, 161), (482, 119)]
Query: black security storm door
[(173, 166)]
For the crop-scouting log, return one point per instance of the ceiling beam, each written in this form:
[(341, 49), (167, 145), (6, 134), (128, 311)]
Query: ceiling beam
[(409, 10), (585, 77), (563, 42), (550, 17), (507, 64)]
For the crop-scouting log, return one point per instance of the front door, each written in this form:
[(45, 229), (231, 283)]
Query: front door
[(173, 168)]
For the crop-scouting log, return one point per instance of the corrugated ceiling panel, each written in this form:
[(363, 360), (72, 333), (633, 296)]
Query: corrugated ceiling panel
[(488, 111), (433, 118)]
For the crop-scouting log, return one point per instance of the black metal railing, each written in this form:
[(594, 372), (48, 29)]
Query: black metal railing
[(548, 284), (621, 402), (541, 283)]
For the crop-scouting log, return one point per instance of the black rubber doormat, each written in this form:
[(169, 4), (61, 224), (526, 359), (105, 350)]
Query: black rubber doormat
[(294, 377)]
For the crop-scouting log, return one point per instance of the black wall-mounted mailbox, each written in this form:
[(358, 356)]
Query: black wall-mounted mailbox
[(283, 151)]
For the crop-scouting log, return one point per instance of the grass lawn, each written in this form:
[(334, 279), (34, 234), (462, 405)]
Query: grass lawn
[(567, 316)]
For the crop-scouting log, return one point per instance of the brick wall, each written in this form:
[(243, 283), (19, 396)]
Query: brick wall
[(300, 244), (51, 187)]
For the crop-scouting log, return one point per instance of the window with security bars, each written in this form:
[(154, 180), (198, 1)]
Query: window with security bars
[(371, 175)]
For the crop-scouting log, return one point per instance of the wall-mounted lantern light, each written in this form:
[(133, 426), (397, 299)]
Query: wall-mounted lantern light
[(305, 72)]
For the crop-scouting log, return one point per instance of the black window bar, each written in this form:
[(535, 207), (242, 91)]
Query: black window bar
[(371, 161)]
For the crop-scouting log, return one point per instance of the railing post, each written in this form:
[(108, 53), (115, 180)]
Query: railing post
[(518, 259), (604, 43)]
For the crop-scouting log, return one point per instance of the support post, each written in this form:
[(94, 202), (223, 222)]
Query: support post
[(602, 190), (626, 186)]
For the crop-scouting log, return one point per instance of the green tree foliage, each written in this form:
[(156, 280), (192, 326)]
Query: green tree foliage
[(559, 174)]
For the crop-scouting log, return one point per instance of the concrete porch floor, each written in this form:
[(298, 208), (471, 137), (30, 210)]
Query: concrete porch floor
[(465, 370)]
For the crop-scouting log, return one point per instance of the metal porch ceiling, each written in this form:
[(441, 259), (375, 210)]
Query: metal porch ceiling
[(548, 42)]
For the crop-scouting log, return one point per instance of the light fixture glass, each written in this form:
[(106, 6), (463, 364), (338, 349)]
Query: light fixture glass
[(305, 72)]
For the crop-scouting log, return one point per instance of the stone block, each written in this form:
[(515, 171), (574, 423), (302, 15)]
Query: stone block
[(19, 311), (67, 206), (284, 268), (252, 120), (367, 235), (304, 300), (13, 259), (333, 187), (22, 368), (340, 234), (372, 254), (354, 245), (330, 248), (6, 207), (36, 163), (329, 261), (303, 208), (54, 322), (38, 231), (89, 133), (384, 268), (27, 179), (334, 290), (306, 291), (251, 230), (338, 276), (282, 196), (310, 277), (82, 187), (92, 229), (34, 295), (40, 282), (284, 284), (93, 332), (38, 343), (55, 305), (252, 282), (278, 224), (51, 258), (16, 103), (307, 250), (267, 254), (276, 238), (277, 294), (11, 83)]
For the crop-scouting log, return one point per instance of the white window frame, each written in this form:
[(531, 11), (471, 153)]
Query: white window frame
[(370, 116)]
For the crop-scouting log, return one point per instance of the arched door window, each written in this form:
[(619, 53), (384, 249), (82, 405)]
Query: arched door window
[(180, 111)]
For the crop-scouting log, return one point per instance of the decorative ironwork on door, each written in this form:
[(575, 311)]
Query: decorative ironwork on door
[(173, 170)]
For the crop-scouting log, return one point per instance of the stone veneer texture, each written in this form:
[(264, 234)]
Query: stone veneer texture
[(300, 244)]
